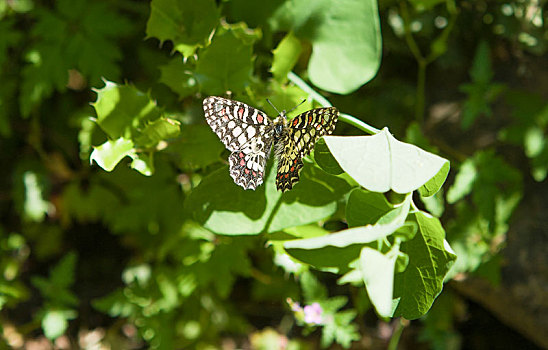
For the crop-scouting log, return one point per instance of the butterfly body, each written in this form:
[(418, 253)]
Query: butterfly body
[(249, 134)]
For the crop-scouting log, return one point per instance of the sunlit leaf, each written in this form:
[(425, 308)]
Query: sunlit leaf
[(110, 153), (122, 108), (156, 131), (430, 258), (381, 163), (35, 207), (143, 163), (54, 324), (341, 248), (434, 204), (377, 271), (357, 235), (346, 40), (224, 207), (463, 182), (286, 55)]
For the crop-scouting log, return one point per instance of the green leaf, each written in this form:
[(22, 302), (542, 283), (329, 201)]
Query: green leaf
[(312, 289), (54, 322), (156, 131), (216, 270), (434, 184), (121, 109), (430, 258), (114, 304), (497, 183), (341, 248), (365, 208), (94, 49), (187, 23), (286, 55), (110, 153), (490, 180), (389, 223), (325, 159), (143, 163), (55, 289), (225, 208), (539, 165), (381, 163), (463, 182), (8, 38), (346, 40), (62, 275), (197, 147), (179, 77), (78, 35), (530, 117), (415, 135), (20, 6), (286, 97), (534, 142), (434, 204), (377, 271), (46, 70), (226, 64), (481, 71), (341, 330), (137, 210), (35, 206), (481, 93)]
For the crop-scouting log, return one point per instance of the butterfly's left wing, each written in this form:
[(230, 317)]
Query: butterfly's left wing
[(246, 132), (298, 140)]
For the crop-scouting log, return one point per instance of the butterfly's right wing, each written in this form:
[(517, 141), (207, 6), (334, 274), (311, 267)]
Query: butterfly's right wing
[(299, 139), (246, 132)]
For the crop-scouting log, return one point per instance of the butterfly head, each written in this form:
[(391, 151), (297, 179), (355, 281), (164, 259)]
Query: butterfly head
[(279, 125)]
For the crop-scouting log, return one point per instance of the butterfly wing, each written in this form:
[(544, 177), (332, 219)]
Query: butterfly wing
[(298, 140), (246, 132)]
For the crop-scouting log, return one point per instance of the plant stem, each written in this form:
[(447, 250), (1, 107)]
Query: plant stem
[(295, 79), (421, 61), (395, 339), (347, 118), (421, 86)]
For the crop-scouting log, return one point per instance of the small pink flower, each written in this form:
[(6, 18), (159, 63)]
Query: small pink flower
[(313, 314)]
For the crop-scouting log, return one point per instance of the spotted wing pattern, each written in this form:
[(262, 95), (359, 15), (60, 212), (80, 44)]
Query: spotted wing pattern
[(246, 132), (298, 140)]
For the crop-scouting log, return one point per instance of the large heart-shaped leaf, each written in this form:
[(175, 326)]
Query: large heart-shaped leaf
[(381, 163)]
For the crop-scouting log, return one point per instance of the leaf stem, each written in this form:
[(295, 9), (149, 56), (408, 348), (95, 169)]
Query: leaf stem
[(347, 118)]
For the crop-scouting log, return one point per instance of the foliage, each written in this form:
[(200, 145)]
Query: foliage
[(118, 194)]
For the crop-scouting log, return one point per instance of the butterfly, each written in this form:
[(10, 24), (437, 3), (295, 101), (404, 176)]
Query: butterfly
[(249, 134)]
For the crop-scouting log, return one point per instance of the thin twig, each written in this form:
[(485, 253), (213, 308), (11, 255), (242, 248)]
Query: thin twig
[(347, 118)]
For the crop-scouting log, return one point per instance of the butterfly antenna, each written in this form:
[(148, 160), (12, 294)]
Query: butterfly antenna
[(276, 109), (294, 108)]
